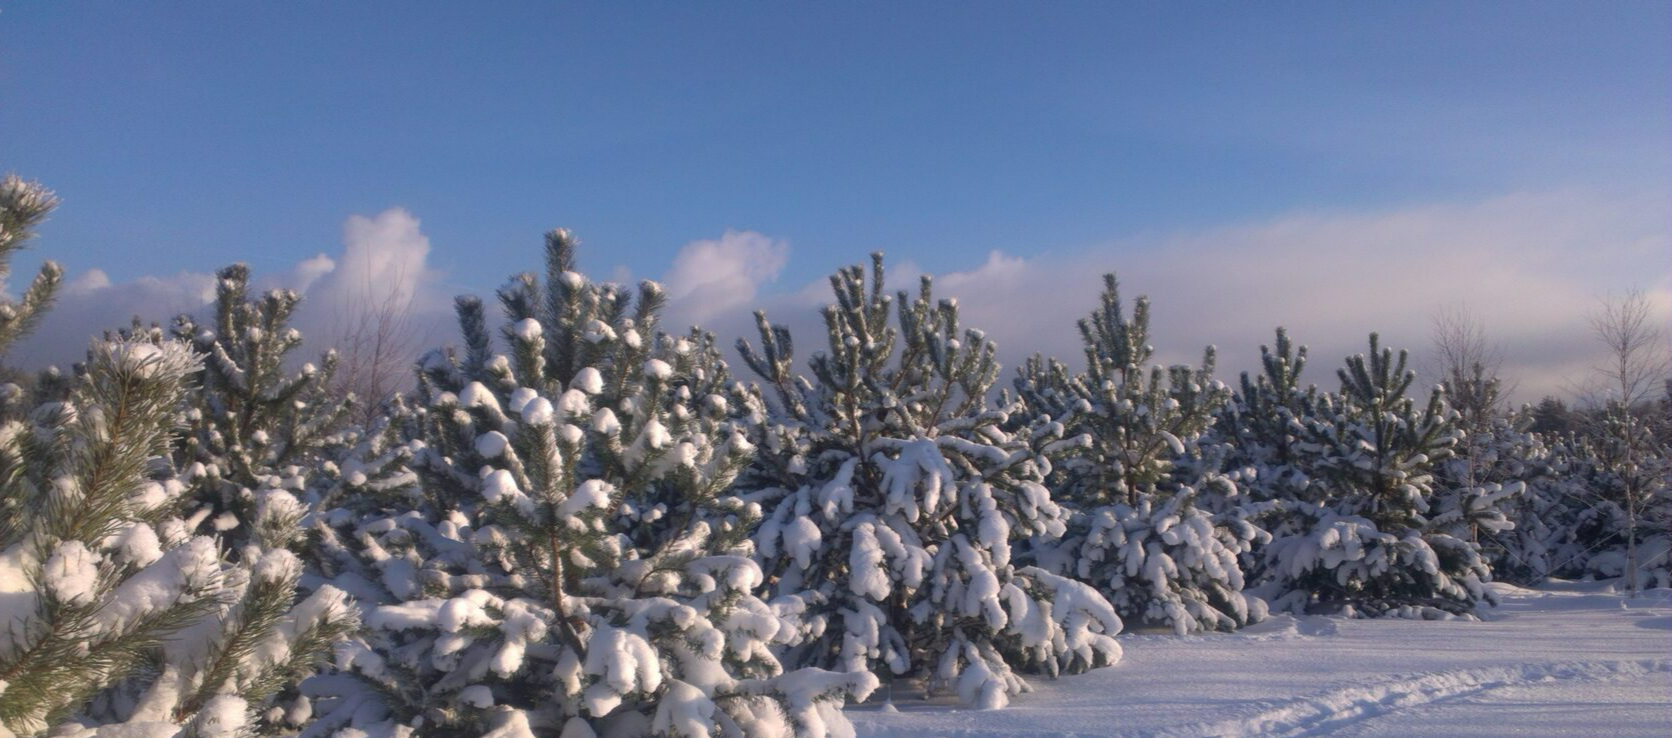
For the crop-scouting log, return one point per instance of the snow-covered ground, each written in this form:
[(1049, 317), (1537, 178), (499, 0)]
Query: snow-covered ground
[(1563, 660)]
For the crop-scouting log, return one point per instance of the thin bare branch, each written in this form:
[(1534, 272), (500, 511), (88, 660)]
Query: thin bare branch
[(1638, 363)]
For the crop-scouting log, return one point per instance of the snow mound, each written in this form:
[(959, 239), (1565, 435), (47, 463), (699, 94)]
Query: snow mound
[(1284, 625)]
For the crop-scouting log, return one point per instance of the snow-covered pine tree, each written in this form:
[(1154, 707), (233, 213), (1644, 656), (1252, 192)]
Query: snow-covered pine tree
[(1265, 424), (1147, 481), (256, 424), (577, 562), (1263, 428), (265, 435), (894, 496), (118, 621), (1559, 515), (1489, 468), (1556, 523), (23, 205), (1366, 547), (1542, 500), (365, 469), (1564, 519)]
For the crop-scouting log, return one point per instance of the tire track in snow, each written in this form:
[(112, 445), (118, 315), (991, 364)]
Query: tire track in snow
[(1324, 712)]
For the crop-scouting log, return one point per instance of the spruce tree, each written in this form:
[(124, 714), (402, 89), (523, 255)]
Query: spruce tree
[(576, 560), (1147, 480), (895, 497)]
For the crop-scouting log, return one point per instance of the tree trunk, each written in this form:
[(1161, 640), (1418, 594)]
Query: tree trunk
[(1631, 548)]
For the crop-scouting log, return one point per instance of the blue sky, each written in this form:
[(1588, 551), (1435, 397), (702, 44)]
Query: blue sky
[(183, 136)]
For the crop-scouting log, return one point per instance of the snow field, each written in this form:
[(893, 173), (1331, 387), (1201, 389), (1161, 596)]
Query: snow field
[(1556, 661)]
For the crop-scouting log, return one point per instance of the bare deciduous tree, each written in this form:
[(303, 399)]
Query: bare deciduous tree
[(1466, 361), (1638, 362), (376, 340), (1638, 469)]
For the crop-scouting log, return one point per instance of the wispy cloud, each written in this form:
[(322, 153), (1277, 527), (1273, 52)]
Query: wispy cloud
[(1530, 265), (385, 254)]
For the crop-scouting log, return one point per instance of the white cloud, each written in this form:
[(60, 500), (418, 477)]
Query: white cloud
[(92, 280), (384, 261), (310, 270), (1529, 265), (712, 277), (387, 250)]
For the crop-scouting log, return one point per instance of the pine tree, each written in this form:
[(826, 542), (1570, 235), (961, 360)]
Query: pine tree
[(254, 424), (1265, 423), (260, 442), (119, 621), (1552, 416), (1365, 546), (1476, 486), (23, 206), (1263, 427), (1547, 511), (1147, 481), (263, 434), (894, 497), (576, 560), (366, 469)]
